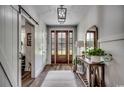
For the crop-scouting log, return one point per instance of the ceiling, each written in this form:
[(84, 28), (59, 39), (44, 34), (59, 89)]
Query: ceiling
[(48, 13)]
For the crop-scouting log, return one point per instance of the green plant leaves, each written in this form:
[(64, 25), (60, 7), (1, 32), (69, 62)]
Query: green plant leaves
[(95, 52), (76, 61)]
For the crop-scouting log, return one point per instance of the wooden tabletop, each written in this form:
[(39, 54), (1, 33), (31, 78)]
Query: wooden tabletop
[(88, 61)]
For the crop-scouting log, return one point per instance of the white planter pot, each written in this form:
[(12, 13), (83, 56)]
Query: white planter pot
[(74, 68), (80, 69), (96, 58)]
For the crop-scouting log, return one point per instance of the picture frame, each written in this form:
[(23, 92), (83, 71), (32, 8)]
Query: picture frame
[(29, 42)]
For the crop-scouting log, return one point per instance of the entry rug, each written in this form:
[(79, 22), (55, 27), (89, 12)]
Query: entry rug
[(59, 79)]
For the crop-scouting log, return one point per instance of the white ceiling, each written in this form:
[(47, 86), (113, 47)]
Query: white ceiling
[(75, 13)]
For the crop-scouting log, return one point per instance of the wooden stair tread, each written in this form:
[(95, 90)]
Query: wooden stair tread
[(26, 73), (27, 82), (26, 79)]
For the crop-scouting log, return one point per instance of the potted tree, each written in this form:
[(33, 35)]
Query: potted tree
[(95, 54)]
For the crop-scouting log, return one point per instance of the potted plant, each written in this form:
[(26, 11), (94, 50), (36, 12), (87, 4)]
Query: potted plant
[(77, 66), (74, 65), (95, 54)]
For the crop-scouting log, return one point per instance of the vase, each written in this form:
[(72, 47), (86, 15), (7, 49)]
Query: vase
[(74, 67)]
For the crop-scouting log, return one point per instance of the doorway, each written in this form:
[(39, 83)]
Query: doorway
[(27, 51), (61, 46)]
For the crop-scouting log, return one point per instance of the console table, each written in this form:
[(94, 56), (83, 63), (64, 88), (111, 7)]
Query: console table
[(93, 73)]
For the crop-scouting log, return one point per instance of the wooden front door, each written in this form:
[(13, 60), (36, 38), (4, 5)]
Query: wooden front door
[(61, 46)]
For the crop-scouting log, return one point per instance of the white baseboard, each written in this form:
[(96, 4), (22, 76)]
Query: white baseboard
[(39, 71)]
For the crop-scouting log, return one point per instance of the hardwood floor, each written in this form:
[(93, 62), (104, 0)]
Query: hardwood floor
[(39, 80), (26, 78)]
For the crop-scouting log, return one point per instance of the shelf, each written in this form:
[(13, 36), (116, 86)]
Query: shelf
[(95, 74), (83, 79)]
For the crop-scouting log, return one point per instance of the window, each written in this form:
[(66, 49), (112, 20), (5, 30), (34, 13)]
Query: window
[(70, 42), (90, 40), (53, 42), (91, 37)]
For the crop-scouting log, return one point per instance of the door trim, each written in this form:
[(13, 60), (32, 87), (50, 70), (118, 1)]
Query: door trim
[(19, 47), (67, 33), (60, 27)]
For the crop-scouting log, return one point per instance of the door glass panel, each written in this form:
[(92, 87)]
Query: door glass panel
[(70, 49), (53, 35), (63, 52), (63, 40), (70, 40), (70, 43), (59, 48), (63, 35), (63, 49), (53, 43), (59, 35), (59, 52), (61, 43), (70, 34), (70, 52), (59, 40), (64, 46)]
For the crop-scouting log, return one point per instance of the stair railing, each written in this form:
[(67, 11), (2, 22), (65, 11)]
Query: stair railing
[(6, 74)]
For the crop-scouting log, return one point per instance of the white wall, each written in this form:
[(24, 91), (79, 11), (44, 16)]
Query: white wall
[(8, 43), (89, 20), (110, 21), (40, 48)]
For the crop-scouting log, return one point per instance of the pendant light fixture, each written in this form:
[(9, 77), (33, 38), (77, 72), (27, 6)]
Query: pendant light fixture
[(61, 12)]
